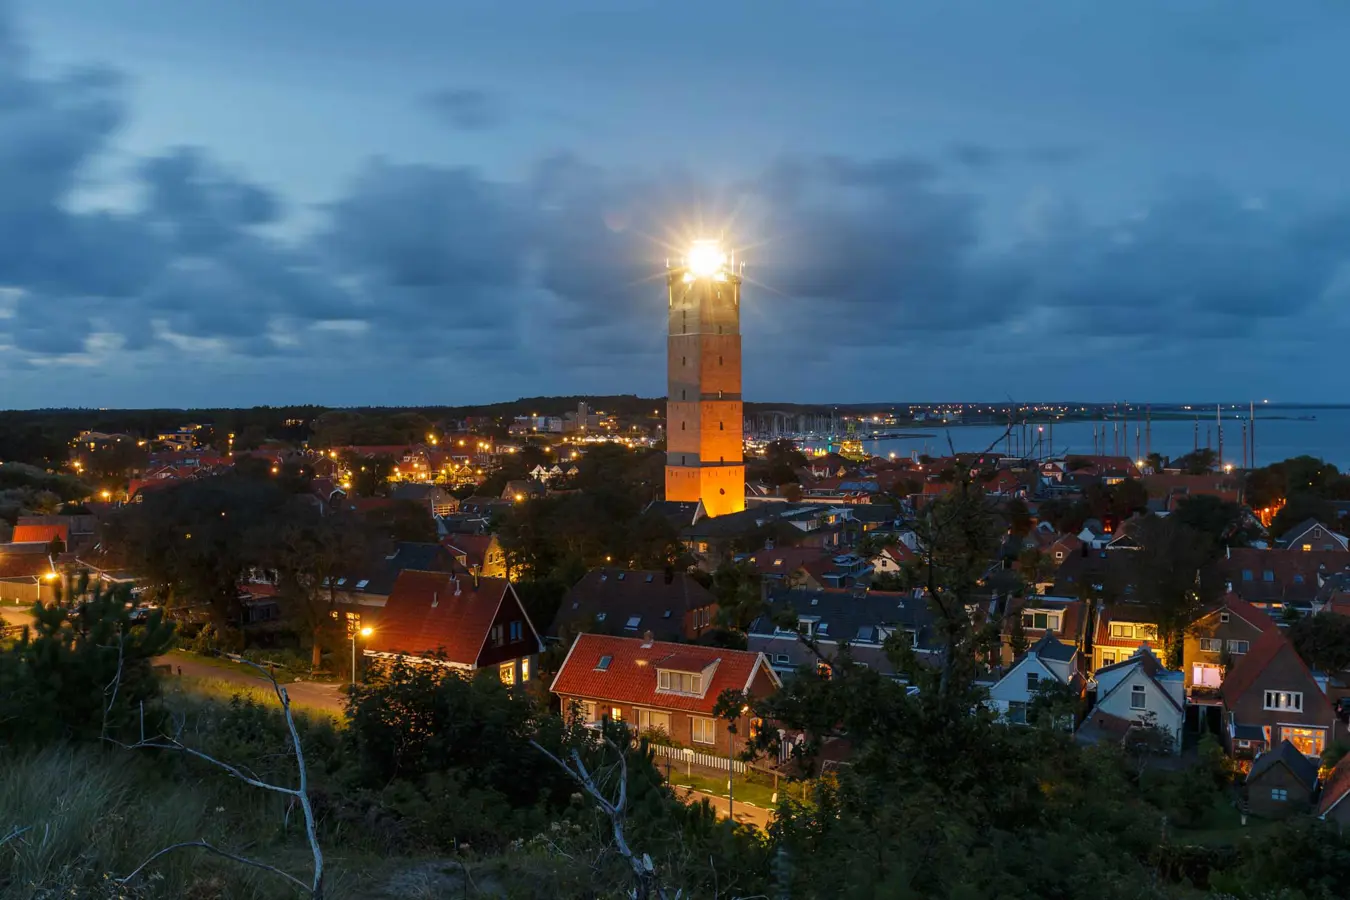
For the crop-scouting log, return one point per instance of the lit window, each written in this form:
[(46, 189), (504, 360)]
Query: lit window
[(704, 731), (616, 714), (524, 670), (507, 673), (652, 720), (1291, 701), (1307, 548), (1138, 697), (1309, 741), (679, 682)]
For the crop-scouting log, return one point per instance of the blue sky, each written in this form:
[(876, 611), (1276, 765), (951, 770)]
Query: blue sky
[(440, 202)]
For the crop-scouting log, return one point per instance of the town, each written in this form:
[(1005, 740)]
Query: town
[(753, 628)]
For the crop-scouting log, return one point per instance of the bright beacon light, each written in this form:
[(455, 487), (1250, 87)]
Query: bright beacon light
[(705, 258)]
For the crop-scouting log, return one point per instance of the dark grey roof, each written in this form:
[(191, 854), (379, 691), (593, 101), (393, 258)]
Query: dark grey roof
[(1304, 769), (633, 601), (1249, 733), (413, 491), (1048, 647), (854, 616), (380, 573), (874, 512)]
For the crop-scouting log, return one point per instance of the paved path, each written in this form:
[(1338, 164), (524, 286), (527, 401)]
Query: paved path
[(745, 813), (313, 694)]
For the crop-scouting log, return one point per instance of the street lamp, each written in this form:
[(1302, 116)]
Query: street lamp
[(365, 633)]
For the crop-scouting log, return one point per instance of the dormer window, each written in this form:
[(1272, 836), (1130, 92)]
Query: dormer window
[(1223, 617), (603, 664), (671, 682), (633, 623)]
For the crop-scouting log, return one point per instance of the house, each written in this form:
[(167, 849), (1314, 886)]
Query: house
[(478, 552), (46, 533), (1280, 782), (661, 686), (1047, 662), (1219, 638), (1332, 806), (1273, 580), (1310, 535), (1060, 617), (435, 499), (670, 605), (1269, 696), (837, 570), (832, 618), (787, 566), (27, 573), (892, 558), (459, 621), (369, 582), (1135, 692), (1122, 629)]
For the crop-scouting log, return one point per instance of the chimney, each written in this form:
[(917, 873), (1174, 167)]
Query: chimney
[(435, 599), (647, 639), (456, 581), (475, 577)]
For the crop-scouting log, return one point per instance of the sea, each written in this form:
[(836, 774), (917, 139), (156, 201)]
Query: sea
[(1281, 432)]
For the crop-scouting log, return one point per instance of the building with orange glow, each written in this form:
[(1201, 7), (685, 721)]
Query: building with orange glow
[(704, 460)]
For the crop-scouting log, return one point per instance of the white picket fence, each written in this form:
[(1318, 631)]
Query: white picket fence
[(706, 760)]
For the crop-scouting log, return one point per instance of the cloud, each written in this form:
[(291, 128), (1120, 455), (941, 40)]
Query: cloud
[(467, 109), (421, 275)]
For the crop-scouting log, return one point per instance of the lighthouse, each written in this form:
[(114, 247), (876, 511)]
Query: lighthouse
[(704, 456)]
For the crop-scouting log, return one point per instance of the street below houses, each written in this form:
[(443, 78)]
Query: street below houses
[(313, 695), (745, 813)]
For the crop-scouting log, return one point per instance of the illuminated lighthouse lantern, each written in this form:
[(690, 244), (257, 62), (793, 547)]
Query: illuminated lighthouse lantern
[(704, 459)]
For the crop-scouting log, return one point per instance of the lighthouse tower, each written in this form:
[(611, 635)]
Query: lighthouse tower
[(704, 460)]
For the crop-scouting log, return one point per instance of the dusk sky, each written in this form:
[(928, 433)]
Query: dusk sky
[(402, 202)]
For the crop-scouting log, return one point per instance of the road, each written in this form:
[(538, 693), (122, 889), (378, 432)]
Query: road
[(315, 695), (745, 814)]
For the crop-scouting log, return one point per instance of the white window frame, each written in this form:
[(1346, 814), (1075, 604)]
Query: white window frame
[(507, 672), (1239, 648), (1211, 645), (702, 731), (1283, 701), (650, 719), (664, 682), (1138, 690)]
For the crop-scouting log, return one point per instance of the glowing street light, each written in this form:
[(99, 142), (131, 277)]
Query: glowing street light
[(365, 633)]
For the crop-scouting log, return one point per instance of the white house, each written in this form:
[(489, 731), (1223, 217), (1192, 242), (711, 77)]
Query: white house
[(1047, 661), (1131, 692)]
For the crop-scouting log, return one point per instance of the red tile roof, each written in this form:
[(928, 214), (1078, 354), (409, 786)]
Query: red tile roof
[(29, 561), (1253, 616), (1121, 612), (631, 676), (1337, 787), (474, 546), (33, 534), (424, 614)]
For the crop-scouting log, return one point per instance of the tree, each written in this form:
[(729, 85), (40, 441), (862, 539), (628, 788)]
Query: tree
[(1035, 566), (1198, 462), (403, 520), (1323, 641), (739, 593), (1166, 575), (1017, 635), (1299, 507), (310, 551), (369, 474), (81, 671), (194, 541), (1220, 520), (1019, 517)]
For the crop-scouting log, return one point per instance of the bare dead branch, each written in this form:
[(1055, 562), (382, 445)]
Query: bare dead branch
[(203, 845), (644, 871), (17, 832), (298, 794), (115, 685)]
